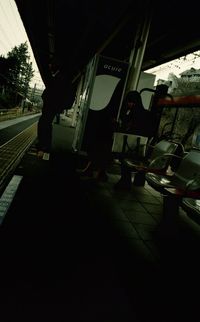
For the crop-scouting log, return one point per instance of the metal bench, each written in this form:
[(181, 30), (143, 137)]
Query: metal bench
[(159, 160), (184, 183)]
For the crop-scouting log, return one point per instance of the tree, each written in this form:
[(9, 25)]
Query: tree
[(6, 64), (21, 72)]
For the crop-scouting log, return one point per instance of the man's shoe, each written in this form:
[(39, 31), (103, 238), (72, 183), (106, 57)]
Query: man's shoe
[(43, 155)]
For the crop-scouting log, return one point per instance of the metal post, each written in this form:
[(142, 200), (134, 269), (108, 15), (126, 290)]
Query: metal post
[(169, 224), (137, 54), (77, 104)]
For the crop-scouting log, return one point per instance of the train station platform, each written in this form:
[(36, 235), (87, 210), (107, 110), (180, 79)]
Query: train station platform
[(77, 250)]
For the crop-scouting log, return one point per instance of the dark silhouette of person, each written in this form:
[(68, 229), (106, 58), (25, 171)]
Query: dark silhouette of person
[(58, 95), (99, 131), (134, 119), (100, 138)]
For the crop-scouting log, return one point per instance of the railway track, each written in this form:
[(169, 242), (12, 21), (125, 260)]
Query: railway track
[(12, 152)]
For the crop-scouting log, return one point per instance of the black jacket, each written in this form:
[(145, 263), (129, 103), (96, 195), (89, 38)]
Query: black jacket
[(59, 93)]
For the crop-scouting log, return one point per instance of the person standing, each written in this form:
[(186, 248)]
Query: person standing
[(58, 95), (99, 132), (134, 118), (100, 138)]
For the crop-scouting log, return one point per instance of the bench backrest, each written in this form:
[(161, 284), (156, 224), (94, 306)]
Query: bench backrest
[(159, 152), (162, 147), (189, 169)]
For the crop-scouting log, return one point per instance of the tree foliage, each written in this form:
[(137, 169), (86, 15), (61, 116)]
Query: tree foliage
[(20, 72), (16, 72)]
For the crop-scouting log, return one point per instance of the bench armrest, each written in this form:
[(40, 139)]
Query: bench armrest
[(162, 162), (183, 193), (164, 156), (154, 166), (192, 189), (194, 184)]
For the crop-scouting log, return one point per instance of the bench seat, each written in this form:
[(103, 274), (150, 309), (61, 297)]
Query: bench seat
[(184, 183)]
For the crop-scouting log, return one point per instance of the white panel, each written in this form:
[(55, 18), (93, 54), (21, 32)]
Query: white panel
[(104, 87)]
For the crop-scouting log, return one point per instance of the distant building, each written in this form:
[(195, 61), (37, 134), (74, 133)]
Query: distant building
[(187, 84)]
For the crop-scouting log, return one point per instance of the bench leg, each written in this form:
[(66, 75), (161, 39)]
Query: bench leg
[(169, 223), (139, 179), (125, 181)]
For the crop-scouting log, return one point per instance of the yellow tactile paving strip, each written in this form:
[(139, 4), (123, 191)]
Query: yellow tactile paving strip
[(12, 151)]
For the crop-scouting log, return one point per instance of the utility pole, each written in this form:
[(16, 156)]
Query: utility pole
[(33, 92)]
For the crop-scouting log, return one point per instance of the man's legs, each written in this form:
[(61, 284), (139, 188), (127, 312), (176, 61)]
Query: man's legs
[(124, 182), (57, 118), (44, 130)]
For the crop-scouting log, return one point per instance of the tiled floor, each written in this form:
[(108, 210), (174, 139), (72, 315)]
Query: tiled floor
[(141, 211)]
